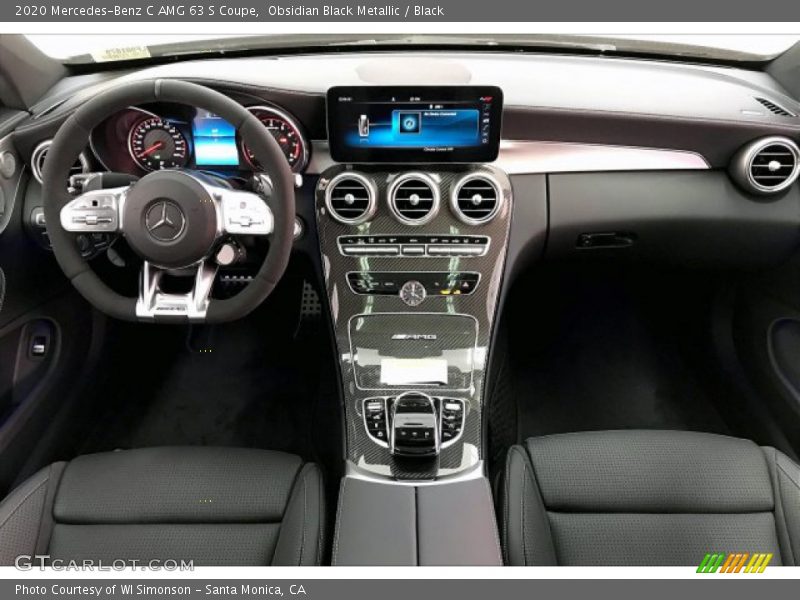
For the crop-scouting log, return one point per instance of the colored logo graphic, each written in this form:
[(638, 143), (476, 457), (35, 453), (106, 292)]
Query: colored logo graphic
[(409, 122), (734, 562)]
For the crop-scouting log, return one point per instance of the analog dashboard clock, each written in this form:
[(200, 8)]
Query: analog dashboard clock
[(413, 293)]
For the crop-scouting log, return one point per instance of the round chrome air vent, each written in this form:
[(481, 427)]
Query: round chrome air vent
[(351, 198), (414, 198), (39, 155), (767, 166), (476, 199)]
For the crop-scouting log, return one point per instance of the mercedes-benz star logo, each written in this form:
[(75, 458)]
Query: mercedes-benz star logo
[(165, 221)]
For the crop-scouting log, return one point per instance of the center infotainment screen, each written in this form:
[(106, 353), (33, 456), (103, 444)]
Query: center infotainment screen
[(414, 124)]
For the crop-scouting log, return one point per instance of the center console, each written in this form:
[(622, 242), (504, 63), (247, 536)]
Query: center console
[(413, 225)]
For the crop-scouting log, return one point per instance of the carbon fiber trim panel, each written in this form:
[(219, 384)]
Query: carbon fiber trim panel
[(479, 307)]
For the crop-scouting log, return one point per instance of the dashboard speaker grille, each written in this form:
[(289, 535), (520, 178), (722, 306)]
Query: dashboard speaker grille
[(40, 154), (414, 199), (476, 200), (351, 198), (775, 108), (774, 166)]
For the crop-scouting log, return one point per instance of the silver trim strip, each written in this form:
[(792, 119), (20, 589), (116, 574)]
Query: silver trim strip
[(524, 157), (529, 157)]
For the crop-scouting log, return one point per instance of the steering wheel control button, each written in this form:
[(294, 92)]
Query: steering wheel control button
[(245, 213), (93, 212), (413, 293)]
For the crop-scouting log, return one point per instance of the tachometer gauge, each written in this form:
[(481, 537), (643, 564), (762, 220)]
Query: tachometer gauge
[(155, 144), (286, 132)]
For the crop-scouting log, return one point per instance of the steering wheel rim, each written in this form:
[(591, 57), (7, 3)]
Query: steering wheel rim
[(72, 137)]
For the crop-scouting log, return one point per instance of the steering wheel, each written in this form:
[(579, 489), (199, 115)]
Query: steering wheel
[(174, 219)]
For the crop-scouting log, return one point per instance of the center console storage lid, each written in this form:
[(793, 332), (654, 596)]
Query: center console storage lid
[(407, 525)]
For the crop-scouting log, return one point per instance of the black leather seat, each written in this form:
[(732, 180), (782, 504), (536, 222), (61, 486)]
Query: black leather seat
[(647, 498), (216, 506)]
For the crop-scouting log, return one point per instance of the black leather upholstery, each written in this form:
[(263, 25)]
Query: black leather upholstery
[(216, 506), (444, 524), (647, 498)]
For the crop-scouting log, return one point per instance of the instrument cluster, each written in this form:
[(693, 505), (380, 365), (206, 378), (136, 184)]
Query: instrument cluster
[(139, 140)]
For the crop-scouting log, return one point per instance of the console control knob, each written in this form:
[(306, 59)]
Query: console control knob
[(413, 293)]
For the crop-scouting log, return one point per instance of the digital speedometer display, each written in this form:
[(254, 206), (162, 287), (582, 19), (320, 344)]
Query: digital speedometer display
[(214, 141)]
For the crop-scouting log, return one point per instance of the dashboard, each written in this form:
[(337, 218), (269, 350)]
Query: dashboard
[(607, 156), (430, 181), (165, 136)]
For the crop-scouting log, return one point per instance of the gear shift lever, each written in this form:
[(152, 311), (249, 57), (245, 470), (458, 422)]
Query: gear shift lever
[(414, 430)]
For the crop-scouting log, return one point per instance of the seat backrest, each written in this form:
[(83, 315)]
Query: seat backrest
[(213, 506), (648, 498)]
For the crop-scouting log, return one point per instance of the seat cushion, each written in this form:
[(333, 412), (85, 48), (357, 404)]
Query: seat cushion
[(647, 498), (215, 506)]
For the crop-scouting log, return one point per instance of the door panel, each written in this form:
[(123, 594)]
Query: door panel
[(767, 332), (46, 328)]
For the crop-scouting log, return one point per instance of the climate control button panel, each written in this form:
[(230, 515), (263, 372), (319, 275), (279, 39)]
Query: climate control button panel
[(435, 284), (419, 246)]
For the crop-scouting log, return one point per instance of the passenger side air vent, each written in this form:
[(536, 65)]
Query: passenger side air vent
[(476, 199), (775, 108), (414, 198), (39, 155), (767, 166), (351, 198)]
